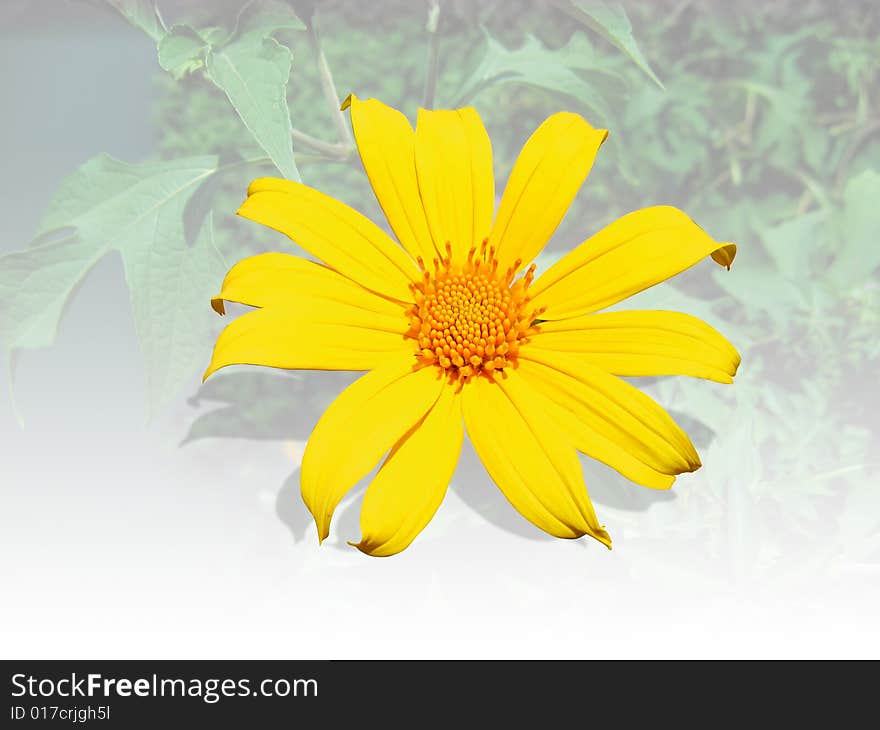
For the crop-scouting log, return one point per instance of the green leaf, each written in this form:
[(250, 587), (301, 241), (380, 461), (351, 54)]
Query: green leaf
[(786, 110), (182, 50), (535, 65), (793, 244), (760, 289), (171, 284), (267, 17), (35, 285), (253, 70), (141, 14), (858, 254), (215, 35), (610, 21), (137, 210)]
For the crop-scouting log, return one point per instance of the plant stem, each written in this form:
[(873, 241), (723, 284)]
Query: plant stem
[(433, 54), (329, 88), (305, 158), (334, 151), (852, 148), (160, 18), (240, 163)]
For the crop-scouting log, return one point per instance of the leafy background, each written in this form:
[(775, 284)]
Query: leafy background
[(762, 121)]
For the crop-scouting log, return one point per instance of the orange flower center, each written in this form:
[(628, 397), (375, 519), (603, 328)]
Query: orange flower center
[(468, 319)]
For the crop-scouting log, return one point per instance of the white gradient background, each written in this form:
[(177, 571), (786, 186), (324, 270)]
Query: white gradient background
[(118, 542)]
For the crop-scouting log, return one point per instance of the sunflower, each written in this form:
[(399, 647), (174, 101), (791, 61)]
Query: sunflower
[(457, 333)]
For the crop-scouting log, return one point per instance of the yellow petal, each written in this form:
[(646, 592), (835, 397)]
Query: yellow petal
[(528, 456), (412, 482), (550, 169), (331, 231), (633, 253), (590, 441), (643, 343), (612, 407), (279, 279), (313, 334), (454, 167), (366, 420), (386, 143)]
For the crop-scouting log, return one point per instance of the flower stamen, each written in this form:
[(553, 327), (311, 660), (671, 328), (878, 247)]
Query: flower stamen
[(467, 319)]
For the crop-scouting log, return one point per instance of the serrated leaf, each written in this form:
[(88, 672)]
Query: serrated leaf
[(704, 401), (170, 283), (35, 285), (253, 70), (760, 289), (137, 210), (141, 14), (535, 65), (858, 254), (610, 21), (783, 115), (793, 244), (182, 50), (266, 17)]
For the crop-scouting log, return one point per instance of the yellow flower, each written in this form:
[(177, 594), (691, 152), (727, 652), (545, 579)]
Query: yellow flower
[(456, 336)]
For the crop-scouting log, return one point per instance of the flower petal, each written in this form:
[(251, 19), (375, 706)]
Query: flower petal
[(528, 456), (412, 482), (551, 167), (313, 334), (454, 167), (633, 253), (612, 407), (591, 441), (643, 343), (386, 143), (280, 279), (366, 420), (338, 235)]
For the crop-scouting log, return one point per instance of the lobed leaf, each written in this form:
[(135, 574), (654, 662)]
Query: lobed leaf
[(858, 255), (141, 14), (170, 282), (137, 210), (610, 21), (253, 69), (535, 65), (182, 50)]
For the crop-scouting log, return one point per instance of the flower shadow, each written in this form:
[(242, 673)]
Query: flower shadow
[(280, 406), (294, 514), (292, 511), (607, 488), (264, 405)]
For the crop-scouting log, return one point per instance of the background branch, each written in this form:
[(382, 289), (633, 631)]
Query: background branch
[(433, 54), (328, 87), (333, 151)]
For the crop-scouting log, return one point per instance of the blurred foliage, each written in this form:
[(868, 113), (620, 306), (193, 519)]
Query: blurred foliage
[(761, 121)]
